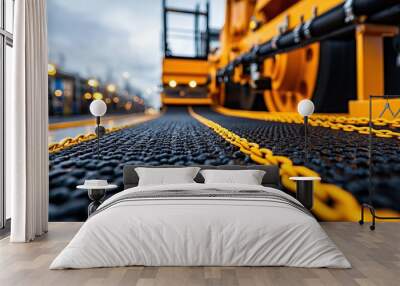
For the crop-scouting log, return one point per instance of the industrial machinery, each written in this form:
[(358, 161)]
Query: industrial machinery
[(273, 53), (185, 67), (276, 52)]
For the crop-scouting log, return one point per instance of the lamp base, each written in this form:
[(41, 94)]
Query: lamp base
[(305, 193), (100, 131)]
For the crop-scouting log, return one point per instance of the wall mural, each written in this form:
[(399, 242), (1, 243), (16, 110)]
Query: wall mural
[(142, 130)]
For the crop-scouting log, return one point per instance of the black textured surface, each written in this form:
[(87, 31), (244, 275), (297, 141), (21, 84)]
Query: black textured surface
[(174, 139), (339, 157), (336, 82)]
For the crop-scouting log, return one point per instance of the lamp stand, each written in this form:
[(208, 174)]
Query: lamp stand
[(305, 140), (98, 136)]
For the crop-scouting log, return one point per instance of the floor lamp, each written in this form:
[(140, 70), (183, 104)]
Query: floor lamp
[(305, 185), (306, 109), (98, 108)]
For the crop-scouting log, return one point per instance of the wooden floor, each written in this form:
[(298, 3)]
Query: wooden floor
[(375, 257)]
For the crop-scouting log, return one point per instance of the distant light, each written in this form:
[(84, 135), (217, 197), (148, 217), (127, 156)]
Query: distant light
[(126, 75), (172, 83), (97, 95), (111, 88), (93, 82), (151, 110), (51, 70), (108, 100), (192, 83), (254, 24), (58, 93), (128, 105), (116, 99), (87, 96)]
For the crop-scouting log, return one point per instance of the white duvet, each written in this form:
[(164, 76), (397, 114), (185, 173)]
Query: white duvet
[(200, 231)]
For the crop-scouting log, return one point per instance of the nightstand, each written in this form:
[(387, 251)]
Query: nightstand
[(305, 190), (96, 195)]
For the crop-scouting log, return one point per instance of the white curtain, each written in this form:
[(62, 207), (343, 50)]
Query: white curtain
[(27, 124)]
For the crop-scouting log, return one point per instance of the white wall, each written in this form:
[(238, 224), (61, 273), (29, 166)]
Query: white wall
[(9, 61)]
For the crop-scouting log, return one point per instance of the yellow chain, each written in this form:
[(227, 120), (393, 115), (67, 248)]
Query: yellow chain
[(347, 124), (344, 206), (69, 141)]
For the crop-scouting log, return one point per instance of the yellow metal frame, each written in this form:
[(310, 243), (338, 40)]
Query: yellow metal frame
[(370, 68), (186, 101), (182, 71), (370, 77)]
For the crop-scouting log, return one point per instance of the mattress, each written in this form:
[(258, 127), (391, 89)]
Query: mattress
[(201, 225)]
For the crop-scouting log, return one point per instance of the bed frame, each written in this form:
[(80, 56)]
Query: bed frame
[(271, 177)]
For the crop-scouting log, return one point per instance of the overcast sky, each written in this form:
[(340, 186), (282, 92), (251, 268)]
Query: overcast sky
[(105, 38)]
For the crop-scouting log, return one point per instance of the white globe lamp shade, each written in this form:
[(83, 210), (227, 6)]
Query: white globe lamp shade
[(98, 108), (305, 107)]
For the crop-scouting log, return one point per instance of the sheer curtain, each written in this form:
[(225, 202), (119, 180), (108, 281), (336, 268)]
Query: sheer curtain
[(27, 124)]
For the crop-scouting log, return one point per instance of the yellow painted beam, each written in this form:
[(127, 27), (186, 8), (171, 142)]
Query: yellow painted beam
[(185, 66), (370, 65), (187, 101)]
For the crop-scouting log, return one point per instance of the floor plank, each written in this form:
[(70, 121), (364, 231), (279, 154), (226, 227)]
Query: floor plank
[(375, 257)]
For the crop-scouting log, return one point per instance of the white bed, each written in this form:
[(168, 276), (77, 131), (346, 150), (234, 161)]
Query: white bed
[(202, 231)]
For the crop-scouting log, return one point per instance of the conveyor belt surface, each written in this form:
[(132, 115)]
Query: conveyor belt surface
[(341, 158), (173, 139)]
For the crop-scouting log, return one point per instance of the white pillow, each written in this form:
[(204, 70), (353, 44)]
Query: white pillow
[(166, 176), (248, 177)]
